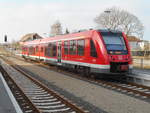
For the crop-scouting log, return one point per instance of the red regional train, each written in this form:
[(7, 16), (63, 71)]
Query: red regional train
[(92, 51)]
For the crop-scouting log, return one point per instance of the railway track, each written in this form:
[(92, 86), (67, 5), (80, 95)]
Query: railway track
[(114, 84), (122, 86), (127, 88), (33, 95)]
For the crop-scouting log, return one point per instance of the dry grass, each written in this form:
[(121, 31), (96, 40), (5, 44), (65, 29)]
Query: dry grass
[(140, 57), (139, 66)]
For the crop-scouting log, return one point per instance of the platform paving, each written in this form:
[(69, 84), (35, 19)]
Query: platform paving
[(8, 103), (139, 71)]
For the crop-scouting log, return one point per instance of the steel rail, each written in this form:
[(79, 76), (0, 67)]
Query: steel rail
[(126, 88)]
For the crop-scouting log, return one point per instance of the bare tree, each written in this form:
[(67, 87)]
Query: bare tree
[(117, 19), (15, 45), (56, 29)]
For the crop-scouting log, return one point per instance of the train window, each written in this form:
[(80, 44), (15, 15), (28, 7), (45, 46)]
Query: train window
[(46, 51), (93, 52), (41, 49), (114, 41), (24, 49), (37, 49), (72, 47), (66, 47), (81, 45), (31, 50), (49, 50), (54, 49)]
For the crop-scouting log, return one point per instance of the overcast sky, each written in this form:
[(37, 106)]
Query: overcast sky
[(19, 17)]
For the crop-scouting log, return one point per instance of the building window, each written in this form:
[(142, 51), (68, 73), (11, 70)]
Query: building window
[(66, 51), (93, 52), (72, 47), (81, 46)]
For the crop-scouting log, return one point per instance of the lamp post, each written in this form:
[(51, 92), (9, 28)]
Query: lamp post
[(108, 13), (5, 38)]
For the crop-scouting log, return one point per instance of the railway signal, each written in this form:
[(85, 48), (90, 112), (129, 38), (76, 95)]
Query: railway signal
[(5, 38)]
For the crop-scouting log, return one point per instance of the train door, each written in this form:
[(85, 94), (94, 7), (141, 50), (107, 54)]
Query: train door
[(59, 52), (40, 51), (37, 52)]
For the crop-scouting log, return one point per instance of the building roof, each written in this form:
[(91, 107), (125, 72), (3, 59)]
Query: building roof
[(30, 36), (133, 39)]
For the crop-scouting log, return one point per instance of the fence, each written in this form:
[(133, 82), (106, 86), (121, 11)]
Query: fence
[(143, 63), (140, 53)]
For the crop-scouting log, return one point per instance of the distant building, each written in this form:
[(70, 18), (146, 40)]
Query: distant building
[(146, 46), (56, 29), (29, 37), (135, 43), (138, 45)]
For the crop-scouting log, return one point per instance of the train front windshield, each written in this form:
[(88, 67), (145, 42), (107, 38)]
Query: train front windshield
[(114, 42)]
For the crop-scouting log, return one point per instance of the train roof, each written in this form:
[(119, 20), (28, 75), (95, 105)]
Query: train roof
[(78, 35), (108, 30), (71, 36)]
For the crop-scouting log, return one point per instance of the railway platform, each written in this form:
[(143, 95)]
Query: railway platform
[(141, 76), (141, 71), (8, 103)]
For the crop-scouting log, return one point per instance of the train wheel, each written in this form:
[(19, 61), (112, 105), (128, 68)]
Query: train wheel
[(58, 68), (93, 76), (81, 71), (76, 69), (87, 72)]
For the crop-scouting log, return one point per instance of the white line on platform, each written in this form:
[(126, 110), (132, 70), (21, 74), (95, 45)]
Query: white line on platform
[(12, 98)]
